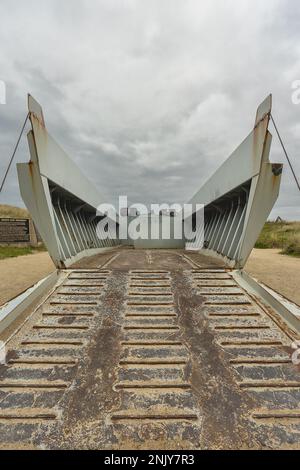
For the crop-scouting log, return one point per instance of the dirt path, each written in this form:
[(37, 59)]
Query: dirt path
[(280, 272), (17, 274)]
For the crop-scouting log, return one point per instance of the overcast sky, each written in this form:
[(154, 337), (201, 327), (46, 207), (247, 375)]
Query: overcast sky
[(150, 97)]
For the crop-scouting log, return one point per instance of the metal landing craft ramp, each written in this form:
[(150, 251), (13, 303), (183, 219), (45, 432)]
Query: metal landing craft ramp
[(150, 349), (237, 199)]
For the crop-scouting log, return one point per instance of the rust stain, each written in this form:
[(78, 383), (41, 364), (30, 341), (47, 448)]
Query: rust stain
[(41, 122), (214, 412), (30, 167)]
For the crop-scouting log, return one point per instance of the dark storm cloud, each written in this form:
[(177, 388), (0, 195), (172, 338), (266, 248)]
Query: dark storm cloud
[(150, 97)]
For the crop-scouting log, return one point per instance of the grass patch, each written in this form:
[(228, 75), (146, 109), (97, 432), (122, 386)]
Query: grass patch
[(14, 251), (293, 246), (281, 235), (13, 212)]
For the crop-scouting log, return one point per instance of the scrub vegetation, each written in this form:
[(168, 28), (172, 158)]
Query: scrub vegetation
[(282, 235)]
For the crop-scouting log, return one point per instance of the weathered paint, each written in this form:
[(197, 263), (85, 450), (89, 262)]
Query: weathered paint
[(238, 197), (60, 199), (250, 183)]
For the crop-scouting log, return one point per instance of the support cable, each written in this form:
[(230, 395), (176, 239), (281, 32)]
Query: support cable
[(285, 152), (14, 152)]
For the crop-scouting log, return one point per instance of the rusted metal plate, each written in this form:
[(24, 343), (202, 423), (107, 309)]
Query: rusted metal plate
[(174, 374)]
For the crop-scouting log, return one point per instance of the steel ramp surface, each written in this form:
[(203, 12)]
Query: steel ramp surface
[(141, 349)]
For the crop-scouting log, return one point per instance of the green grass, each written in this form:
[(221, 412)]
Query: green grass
[(14, 251), (14, 212), (282, 235)]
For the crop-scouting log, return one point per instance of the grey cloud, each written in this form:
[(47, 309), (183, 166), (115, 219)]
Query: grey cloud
[(150, 97)]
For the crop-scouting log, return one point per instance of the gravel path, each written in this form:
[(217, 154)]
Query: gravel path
[(280, 272), (17, 274)]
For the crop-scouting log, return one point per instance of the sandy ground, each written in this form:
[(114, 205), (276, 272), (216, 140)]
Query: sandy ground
[(282, 273), (17, 274)]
